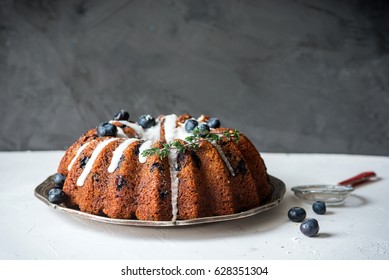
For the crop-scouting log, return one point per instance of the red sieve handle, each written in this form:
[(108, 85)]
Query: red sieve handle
[(358, 178)]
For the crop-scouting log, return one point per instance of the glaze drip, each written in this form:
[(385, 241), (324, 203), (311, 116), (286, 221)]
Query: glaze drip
[(174, 182), (224, 158), (91, 161), (117, 154), (146, 145), (79, 151)]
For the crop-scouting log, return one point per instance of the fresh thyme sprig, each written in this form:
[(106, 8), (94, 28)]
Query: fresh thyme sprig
[(192, 142), (161, 152)]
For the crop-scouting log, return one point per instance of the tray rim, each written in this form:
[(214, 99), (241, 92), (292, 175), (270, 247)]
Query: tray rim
[(278, 186)]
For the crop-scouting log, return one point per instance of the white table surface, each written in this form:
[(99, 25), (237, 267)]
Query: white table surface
[(357, 230)]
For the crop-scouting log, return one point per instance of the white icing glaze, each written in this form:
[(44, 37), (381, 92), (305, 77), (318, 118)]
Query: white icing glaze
[(224, 158), (170, 127), (120, 133), (138, 129), (171, 131), (91, 161), (153, 133), (117, 154), (181, 132), (79, 151), (146, 145), (174, 181)]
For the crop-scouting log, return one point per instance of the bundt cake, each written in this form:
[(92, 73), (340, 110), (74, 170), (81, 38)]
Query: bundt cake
[(164, 169)]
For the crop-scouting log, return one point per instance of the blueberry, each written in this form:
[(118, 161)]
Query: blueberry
[(310, 227), (297, 214), (120, 182), (190, 125), (56, 195), (59, 179), (214, 123), (146, 121), (163, 194), (203, 130), (83, 161), (106, 129), (122, 115), (319, 207)]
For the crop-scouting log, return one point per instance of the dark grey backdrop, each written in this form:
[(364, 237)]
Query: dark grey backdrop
[(296, 76)]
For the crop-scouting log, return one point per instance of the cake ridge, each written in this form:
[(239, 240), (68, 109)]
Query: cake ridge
[(89, 165), (118, 152), (224, 158), (79, 151)]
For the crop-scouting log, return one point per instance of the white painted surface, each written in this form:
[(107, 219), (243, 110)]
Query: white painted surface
[(357, 230)]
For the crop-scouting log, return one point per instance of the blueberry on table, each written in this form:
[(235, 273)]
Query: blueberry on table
[(190, 125), (297, 214), (214, 123), (319, 207), (59, 179), (122, 116), (56, 196), (106, 129), (146, 121), (310, 227)]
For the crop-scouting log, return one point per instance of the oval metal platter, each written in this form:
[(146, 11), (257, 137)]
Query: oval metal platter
[(278, 191)]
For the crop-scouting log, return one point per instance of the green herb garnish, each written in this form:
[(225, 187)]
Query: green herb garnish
[(192, 142)]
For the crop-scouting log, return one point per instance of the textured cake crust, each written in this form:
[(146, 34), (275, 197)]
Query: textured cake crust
[(216, 179)]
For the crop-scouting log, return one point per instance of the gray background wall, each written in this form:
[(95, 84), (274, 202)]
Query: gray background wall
[(296, 76)]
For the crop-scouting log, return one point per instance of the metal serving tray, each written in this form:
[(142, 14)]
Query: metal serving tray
[(277, 185)]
